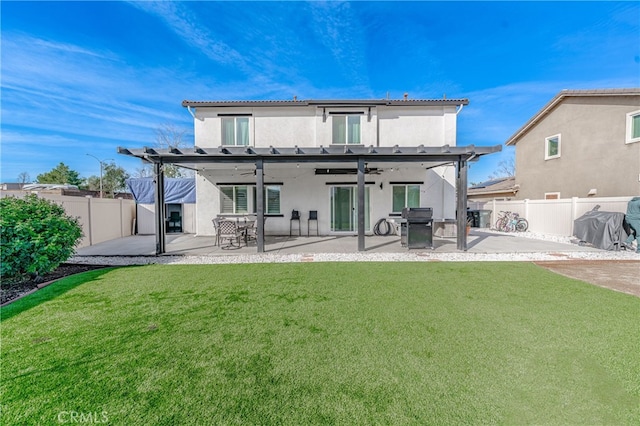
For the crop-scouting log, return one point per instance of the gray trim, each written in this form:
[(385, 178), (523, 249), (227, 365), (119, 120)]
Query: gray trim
[(247, 183), (260, 205), (360, 212), (461, 209), (161, 246), (347, 183), (327, 103), (346, 153)]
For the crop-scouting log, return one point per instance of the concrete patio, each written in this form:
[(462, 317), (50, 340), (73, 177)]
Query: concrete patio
[(190, 245)]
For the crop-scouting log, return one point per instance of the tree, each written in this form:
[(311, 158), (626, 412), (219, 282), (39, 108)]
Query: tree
[(61, 174), (113, 180), (24, 178), (143, 172), (506, 167), (169, 136)]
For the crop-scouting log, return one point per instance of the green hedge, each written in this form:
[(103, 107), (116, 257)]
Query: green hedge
[(37, 235)]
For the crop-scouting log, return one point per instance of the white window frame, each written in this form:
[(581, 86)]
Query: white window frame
[(235, 130), (406, 195), (234, 199), (251, 199), (346, 117), (629, 133), (546, 147), (268, 188), (557, 194)]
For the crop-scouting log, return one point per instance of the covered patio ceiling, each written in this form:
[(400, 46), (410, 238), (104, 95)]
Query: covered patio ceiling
[(362, 157)]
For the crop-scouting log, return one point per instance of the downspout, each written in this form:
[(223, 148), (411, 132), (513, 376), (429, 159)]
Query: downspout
[(193, 114), (459, 109)]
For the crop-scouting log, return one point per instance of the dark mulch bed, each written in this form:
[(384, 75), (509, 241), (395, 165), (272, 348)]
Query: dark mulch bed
[(14, 289)]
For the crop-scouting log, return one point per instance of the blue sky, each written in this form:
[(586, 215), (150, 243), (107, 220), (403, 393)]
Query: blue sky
[(86, 77)]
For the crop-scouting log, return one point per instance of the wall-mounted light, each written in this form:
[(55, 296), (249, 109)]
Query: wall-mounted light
[(380, 185), (592, 191)]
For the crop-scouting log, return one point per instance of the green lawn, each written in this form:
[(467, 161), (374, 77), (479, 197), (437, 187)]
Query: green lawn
[(322, 343)]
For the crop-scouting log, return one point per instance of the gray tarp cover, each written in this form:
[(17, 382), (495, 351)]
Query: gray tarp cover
[(176, 190), (602, 229), (633, 214)]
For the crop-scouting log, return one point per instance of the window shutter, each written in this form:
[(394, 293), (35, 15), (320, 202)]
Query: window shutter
[(226, 199), (242, 205), (273, 200)]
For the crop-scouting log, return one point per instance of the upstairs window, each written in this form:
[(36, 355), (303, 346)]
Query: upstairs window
[(633, 127), (346, 129), (405, 196), (235, 131), (552, 147)]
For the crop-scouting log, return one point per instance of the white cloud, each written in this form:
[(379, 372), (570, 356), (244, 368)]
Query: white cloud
[(339, 30)]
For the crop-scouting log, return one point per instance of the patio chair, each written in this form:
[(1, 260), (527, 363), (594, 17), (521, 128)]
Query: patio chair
[(250, 232), (313, 215), (216, 227), (295, 216), (228, 230)]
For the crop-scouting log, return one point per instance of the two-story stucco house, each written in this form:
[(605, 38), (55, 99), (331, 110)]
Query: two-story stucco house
[(351, 161), (582, 143)]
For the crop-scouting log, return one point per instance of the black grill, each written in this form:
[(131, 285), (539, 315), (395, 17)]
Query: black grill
[(417, 213), (416, 228)]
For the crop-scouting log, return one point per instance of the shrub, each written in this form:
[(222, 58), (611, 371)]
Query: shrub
[(37, 235)]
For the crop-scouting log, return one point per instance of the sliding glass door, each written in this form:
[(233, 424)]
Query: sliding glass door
[(344, 209)]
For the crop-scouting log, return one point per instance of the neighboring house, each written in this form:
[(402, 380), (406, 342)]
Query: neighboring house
[(12, 186), (504, 188), (354, 162), (582, 143), (55, 188)]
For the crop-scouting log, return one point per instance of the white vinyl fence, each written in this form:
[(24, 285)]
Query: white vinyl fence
[(102, 219), (551, 217)]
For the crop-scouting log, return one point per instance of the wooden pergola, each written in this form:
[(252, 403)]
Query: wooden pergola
[(359, 156)]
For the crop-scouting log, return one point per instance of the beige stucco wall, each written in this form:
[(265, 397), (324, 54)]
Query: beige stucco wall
[(594, 154)]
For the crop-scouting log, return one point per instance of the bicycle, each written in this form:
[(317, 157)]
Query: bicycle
[(511, 222)]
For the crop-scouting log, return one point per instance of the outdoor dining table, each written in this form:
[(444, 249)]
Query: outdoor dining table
[(243, 223)]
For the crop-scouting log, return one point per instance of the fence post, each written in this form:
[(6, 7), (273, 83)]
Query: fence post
[(494, 216), (89, 221), (574, 211), (121, 220), (526, 208)]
